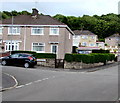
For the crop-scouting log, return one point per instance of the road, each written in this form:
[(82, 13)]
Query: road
[(38, 84)]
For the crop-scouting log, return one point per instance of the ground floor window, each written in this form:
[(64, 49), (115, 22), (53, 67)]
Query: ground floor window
[(54, 49), (39, 47), (11, 45)]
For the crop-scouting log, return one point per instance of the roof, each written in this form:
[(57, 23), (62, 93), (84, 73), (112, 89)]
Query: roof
[(30, 20), (114, 35), (34, 20), (83, 32)]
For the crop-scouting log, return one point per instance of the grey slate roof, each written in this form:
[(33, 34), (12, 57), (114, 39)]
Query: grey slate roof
[(29, 20), (114, 35), (83, 32)]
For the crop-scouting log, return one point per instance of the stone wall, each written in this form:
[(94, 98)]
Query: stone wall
[(46, 62), (80, 65)]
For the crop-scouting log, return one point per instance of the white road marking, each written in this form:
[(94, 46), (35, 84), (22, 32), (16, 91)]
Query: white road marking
[(34, 82)]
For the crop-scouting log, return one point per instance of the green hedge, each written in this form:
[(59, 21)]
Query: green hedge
[(37, 55), (90, 58), (31, 52), (44, 55), (100, 51)]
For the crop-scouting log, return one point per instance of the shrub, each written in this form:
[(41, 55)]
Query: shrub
[(100, 51), (31, 52), (44, 55), (90, 58), (37, 55)]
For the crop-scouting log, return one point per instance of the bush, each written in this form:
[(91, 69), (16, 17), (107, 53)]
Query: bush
[(37, 55), (44, 55), (100, 51), (90, 58), (30, 52)]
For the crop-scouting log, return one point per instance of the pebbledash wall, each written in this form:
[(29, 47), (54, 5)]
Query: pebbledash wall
[(69, 65)]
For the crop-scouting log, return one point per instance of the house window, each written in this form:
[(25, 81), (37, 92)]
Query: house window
[(92, 37), (11, 45), (91, 44), (39, 47), (1, 30), (14, 30), (54, 31), (37, 31), (84, 44), (84, 37), (54, 49)]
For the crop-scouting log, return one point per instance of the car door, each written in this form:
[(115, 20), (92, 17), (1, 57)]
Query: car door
[(21, 59), (14, 59)]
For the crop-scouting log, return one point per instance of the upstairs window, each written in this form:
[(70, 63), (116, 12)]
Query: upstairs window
[(14, 30), (37, 31), (84, 37), (84, 44), (54, 31)]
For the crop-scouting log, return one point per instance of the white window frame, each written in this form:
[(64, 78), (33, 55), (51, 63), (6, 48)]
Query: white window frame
[(92, 44), (36, 33), (39, 45), (13, 28), (51, 33), (84, 43), (8, 46), (1, 29), (92, 37), (84, 37), (56, 50)]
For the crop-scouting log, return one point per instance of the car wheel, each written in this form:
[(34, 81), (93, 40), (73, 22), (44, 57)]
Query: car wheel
[(26, 65), (3, 62)]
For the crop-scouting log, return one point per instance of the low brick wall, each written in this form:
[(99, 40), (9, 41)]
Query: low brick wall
[(46, 62), (4, 54), (80, 65)]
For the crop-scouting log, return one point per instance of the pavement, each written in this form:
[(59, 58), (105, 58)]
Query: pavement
[(9, 82)]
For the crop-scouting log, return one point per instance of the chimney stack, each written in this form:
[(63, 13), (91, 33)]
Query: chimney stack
[(34, 13)]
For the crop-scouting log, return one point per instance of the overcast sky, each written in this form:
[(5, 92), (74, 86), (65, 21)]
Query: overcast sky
[(65, 7)]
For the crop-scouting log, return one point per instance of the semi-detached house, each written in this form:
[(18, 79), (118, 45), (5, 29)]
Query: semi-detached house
[(40, 33)]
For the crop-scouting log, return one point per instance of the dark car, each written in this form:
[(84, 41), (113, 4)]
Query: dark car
[(20, 59)]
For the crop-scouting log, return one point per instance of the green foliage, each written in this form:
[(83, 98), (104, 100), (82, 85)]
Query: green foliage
[(44, 55), (103, 26), (30, 52), (100, 51), (90, 58), (37, 55)]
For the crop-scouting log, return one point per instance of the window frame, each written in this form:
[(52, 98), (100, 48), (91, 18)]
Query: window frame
[(38, 45), (37, 29), (51, 33), (8, 45), (84, 43), (12, 33)]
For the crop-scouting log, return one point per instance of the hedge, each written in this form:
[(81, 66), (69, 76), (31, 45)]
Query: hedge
[(100, 51), (31, 52), (37, 55), (90, 58)]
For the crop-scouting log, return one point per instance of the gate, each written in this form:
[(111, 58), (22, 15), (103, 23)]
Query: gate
[(59, 63)]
